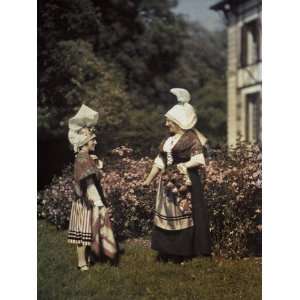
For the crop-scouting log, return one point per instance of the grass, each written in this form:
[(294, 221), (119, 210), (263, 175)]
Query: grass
[(138, 276)]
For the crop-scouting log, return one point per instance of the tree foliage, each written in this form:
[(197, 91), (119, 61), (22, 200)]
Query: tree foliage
[(121, 58)]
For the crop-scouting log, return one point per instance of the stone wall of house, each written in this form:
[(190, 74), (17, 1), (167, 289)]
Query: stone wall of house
[(240, 81)]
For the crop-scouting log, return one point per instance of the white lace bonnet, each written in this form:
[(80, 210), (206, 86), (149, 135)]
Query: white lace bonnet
[(85, 118)]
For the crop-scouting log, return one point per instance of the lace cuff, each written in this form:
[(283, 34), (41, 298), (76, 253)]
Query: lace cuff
[(158, 162), (198, 158)]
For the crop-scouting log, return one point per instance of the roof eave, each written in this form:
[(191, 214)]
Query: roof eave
[(219, 5)]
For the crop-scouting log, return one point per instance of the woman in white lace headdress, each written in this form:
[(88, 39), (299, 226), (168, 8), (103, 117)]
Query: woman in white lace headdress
[(181, 219), (89, 221)]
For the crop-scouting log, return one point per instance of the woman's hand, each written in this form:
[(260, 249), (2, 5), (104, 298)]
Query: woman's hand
[(98, 162), (184, 171), (154, 171), (182, 168), (109, 211), (94, 157), (146, 183)]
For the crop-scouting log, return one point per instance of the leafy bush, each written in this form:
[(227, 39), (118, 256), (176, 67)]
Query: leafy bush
[(232, 187), (132, 205), (54, 203)]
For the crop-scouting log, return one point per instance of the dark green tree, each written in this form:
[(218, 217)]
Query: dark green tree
[(122, 58)]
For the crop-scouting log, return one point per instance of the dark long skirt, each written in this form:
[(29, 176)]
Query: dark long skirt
[(193, 241)]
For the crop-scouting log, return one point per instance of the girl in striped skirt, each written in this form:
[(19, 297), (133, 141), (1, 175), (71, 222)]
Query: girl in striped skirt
[(89, 221)]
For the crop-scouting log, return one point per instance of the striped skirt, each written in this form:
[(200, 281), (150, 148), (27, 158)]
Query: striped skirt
[(80, 226)]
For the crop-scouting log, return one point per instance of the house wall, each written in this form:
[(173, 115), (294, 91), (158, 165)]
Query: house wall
[(240, 81)]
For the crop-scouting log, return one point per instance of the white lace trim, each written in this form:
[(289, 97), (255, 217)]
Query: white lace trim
[(169, 145)]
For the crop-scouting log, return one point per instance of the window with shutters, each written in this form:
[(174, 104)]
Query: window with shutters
[(251, 43), (253, 117)]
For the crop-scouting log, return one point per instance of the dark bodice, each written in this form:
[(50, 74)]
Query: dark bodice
[(187, 146)]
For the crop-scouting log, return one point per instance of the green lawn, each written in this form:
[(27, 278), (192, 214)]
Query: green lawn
[(139, 276)]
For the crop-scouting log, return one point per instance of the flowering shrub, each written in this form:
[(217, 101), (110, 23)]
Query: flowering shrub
[(54, 203), (132, 205), (232, 187)]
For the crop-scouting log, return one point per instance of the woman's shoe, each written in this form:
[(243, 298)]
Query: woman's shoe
[(83, 268)]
